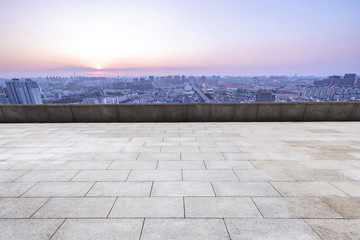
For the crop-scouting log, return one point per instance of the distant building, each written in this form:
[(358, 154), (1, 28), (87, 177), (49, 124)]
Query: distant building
[(264, 96), (23, 92), (3, 97)]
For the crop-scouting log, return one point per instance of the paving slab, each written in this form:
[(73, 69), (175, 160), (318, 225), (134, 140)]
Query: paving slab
[(20, 207), (28, 229), (154, 175), (76, 208), (228, 164), (301, 207), (83, 229), (182, 189), (133, 165), (263, 175), (101, 175), (209, 175), (148, 207), (59, 189), (9, 176), (49, 175), (331, 229), (120, 189), (220, 207), (192, 165), (200, 229), (351, 188), (244, 189), (281, 229), (348, 207), (14, 189), (307, 189)]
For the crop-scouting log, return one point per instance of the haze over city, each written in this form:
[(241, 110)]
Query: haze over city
[(110, 38)]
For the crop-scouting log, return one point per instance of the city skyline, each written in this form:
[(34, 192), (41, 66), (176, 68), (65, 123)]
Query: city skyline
[(111, 38)]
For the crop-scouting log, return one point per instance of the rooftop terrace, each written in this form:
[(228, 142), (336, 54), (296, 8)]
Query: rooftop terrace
[(290, 180)]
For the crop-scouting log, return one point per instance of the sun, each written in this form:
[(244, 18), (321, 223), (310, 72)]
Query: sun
[(98, 67)]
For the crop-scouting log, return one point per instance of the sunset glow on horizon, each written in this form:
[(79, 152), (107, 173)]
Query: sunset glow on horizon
[(229, 37)]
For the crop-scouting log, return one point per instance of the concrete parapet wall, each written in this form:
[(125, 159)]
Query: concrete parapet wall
[(193, 112)]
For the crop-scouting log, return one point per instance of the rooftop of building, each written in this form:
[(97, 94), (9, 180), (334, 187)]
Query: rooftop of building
[(180, 180)]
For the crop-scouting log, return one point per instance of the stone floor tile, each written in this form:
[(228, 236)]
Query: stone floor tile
[(199, 229), (347, 207), (244, 189), (59, 189), (28, 229), (228, 165), (327, 164), (141, 149), (202, 156), (9, 176), (20, 207), (352, 173), (7, 165), (148, 207), (133, 165), (182, 189), (109, 229), (220, 207), (331, 229), (49, 175), (276, 165), (141, 189), (101, 175), (317, 175), (179, 149), (280, 229), (116, 156), (307, 189), (351, 188), (14, 189), (303, 207), (154, 175), (209, 175), (159, 156), (83, 156), (263, 175), (76, 208), (198, 165)]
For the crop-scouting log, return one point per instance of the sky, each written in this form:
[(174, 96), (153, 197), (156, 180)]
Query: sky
[(161, 37)]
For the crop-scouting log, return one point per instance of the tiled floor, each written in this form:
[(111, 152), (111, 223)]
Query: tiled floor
[(180, 181)]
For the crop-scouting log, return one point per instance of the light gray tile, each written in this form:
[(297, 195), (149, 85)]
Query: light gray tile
[(199, 229), (261, 175), (141, 189), (229, 165), (307, 189), (330, 229), (20, 207), (353, 173), (220, 207), (28, 229), (49, 175), (133, 165), (181, 165), (9, 176), (59, 189), (182, 189), (244, 189), (202, 156), (101, 175), (281, 229), (209, 175), (148, 207), (116, 156), (78, 229), (351, 188), (347, 207), (159, 156), (155, 175), (317, 175), (284, 207), (14, 189), (76, 208)]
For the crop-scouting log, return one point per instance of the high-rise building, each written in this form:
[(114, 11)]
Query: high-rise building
[(264, 96), (23, 92), (3, 97)]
